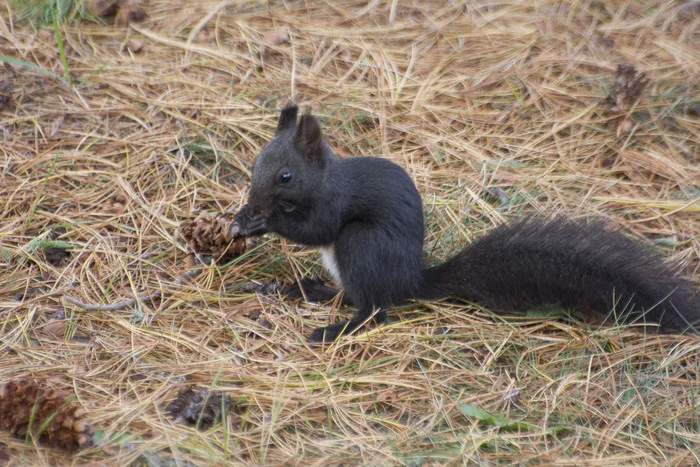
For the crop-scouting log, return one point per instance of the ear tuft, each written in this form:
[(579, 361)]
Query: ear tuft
[(288, 117), (309, 139)]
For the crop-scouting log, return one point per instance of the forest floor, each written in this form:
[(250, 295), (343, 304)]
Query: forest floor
[(114, 134)]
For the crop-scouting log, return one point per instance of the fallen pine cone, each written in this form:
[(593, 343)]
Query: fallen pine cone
[(27, 407), (124, 11), (628, 89), (199, 407), (629, 86), (213, 236)]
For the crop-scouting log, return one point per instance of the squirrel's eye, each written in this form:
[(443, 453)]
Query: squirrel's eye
[(285, 177)]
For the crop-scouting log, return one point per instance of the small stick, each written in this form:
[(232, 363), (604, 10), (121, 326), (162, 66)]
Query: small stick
[(130, 301)]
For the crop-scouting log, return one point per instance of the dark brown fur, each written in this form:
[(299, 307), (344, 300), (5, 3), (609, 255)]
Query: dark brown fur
[(571, 264), (367, 211)]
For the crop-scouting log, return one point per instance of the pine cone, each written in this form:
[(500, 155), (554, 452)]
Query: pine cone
[(194, 406), (209, 235), (629, 85), (628, 89), (54, 421), (125, 11)]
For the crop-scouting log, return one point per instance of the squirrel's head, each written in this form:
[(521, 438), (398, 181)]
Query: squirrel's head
[(289, 170)]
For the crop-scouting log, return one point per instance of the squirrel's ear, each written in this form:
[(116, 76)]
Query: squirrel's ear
[(309, 138), (288, 117)]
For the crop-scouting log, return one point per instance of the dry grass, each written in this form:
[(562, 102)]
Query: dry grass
[(496, 108)]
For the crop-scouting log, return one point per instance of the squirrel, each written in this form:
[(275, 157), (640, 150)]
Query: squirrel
[(366, 216)]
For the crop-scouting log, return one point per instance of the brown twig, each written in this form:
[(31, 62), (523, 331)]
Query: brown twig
[(131, 301)]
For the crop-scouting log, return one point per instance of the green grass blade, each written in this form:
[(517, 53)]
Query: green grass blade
[(23, 63), (61, 48)]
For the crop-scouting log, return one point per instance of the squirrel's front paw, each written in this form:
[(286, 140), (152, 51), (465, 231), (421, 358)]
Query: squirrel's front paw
[(249, 224)]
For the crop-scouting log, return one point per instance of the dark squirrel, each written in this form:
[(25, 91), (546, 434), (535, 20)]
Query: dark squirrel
[(366, 216)]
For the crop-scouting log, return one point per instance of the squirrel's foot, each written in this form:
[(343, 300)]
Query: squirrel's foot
[(329, 333), (332, 332), (313, 288)]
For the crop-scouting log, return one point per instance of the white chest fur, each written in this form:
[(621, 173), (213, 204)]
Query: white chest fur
[(329, 262)]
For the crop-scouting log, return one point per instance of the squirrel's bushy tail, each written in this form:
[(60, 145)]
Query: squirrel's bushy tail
[(570, 264)]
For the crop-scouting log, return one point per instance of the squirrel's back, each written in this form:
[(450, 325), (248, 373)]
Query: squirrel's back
[(572, 264), (379, 191), (378, 249)]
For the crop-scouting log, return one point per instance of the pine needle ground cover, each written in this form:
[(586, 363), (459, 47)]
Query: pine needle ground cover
[(116, 132)]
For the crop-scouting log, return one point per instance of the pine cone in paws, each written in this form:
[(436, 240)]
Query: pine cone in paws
[(209, 235)]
